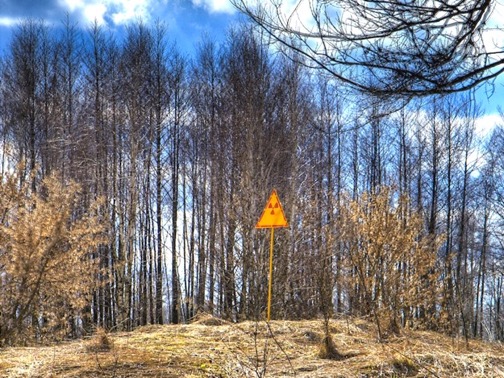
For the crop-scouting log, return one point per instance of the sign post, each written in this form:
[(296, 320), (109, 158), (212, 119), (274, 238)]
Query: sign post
[(272, 217)]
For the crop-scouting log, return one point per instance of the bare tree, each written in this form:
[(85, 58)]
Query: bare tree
[(411, 48), (135, 69), (21, 89), (206, 101), (160, 79), (98, 63), (178, 108)]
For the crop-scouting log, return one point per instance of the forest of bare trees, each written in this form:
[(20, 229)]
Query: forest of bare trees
[(393, 215)]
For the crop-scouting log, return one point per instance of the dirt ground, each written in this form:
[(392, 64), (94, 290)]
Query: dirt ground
[(210, 347)]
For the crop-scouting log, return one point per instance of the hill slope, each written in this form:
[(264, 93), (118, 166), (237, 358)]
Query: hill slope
[(213, 348)]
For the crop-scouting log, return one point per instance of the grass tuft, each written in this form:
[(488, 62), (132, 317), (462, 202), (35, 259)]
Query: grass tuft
[(328, 350), (208, 320), (100, 342), (404, 365)]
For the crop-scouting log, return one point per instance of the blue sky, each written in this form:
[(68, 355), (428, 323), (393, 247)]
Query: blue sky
[(186, 21)]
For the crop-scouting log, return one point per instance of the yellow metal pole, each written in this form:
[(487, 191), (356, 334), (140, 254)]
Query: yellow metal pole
[(270, 276)]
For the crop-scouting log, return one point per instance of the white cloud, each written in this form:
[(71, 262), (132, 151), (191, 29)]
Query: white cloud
[(119, 11), (299, 14), (497, 15), (485, 124), (8, 21), (73, 4), (95, 12), (493, 35), (128, 10), (215, 6)]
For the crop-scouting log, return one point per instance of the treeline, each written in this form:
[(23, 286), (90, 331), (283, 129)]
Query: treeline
[(393, 214)]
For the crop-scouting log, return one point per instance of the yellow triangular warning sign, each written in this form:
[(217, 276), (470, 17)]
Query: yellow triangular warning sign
[(273, 215)]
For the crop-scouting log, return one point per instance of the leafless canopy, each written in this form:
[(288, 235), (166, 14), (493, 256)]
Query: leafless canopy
[(404, 47)]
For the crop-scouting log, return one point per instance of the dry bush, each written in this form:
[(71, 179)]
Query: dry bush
[(47, 269), (311, 336), (328, 349), (100, 342), (390, 261), (404, 365), (204, 318)]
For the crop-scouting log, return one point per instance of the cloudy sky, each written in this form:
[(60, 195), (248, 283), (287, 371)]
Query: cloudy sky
[(185, 19)]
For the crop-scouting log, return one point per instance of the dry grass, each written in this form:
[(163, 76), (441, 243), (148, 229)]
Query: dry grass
[(211, 348), (100, 342)]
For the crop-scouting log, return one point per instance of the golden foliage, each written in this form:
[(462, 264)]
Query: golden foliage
[(47, 269), (390, 261)]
